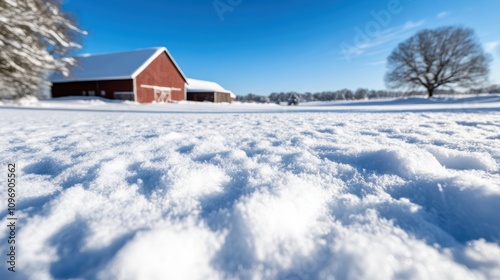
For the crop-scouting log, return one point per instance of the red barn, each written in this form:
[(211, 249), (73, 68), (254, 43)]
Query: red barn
[(144, 76)]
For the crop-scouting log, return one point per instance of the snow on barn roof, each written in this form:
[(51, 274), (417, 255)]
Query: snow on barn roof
[(112, 66), (195, 85)]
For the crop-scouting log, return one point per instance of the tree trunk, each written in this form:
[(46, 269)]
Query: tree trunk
[(430, 91)]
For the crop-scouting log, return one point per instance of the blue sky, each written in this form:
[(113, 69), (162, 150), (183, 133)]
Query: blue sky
[(264, 46)]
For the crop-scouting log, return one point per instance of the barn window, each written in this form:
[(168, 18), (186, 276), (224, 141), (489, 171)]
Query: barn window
[(84, 93), (103, 93), (91, 93)]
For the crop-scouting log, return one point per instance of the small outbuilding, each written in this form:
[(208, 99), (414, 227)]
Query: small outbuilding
[(200, 90), (144, 76)]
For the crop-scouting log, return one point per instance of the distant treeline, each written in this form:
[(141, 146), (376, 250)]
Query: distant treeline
[(346, 94)]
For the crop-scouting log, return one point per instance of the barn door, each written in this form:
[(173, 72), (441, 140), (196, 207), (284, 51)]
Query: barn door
[(163, 95)]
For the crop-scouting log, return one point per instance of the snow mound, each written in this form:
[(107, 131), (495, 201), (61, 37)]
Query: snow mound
[(27, 101), (187, 247), (408, 162), (464, 160)]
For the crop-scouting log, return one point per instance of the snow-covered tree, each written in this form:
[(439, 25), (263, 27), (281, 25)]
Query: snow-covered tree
[(35, 37)]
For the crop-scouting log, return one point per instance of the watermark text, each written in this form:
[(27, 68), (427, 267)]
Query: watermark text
[(224, 6), (11, 217)]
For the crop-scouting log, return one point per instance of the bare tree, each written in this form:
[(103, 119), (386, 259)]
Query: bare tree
[(35, 37), (448, 56)]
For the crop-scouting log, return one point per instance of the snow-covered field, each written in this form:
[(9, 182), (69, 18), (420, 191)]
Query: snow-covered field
[(394, 189)]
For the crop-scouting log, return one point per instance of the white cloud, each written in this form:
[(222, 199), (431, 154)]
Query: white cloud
[(377, 63), (384, 37), (492, 47), (443, 14), (412, 25)]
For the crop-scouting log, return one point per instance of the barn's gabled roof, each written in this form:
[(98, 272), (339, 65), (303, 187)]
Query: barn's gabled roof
[(195, 85), (112, 66)]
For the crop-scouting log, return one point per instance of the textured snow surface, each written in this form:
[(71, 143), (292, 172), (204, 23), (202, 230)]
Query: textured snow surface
[(123, 191)]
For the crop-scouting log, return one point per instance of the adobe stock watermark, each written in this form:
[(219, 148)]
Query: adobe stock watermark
[(223, 6), (11, 217), (372, 29)]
